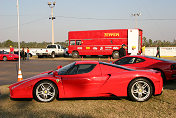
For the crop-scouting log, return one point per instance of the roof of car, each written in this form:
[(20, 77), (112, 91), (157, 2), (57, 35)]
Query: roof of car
[(151, 57), (87, 62)]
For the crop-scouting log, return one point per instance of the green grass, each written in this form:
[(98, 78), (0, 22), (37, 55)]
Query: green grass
[(158, 106)]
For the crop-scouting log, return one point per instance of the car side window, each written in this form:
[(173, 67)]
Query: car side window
[(138, 60), (126, 60), (72, 42), (51, 46), (58, 46), (81, 68), (73, 71), (78, 42)]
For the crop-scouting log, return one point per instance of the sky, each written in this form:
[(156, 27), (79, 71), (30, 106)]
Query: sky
[(157, 19)]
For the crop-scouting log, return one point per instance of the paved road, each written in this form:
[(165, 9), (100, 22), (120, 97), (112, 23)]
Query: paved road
[(8, 69)]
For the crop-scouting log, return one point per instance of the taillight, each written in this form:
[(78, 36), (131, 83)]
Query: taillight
[(173, 67), (46, 50)]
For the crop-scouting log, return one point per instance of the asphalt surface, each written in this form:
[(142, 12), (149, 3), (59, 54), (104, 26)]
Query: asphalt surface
[(9, 69)]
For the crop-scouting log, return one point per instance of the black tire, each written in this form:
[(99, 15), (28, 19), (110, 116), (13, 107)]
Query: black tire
[(75, 54), (40, 56), (115, 55), (45, 91), (30, 55), (140, 90), (53, 55), (4, 58)]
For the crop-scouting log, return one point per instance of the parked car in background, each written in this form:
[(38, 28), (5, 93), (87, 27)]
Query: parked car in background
[(4, 55), (90, 79), (30, 55), (51, 51), (166, 67)]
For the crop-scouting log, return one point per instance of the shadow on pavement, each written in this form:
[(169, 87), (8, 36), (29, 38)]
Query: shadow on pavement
[(24, 109), (171, 85)]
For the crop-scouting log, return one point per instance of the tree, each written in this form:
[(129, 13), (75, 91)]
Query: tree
[(8, 43)]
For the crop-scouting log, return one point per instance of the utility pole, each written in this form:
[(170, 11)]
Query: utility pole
[(52, 5), (136, 15), (18, 17)]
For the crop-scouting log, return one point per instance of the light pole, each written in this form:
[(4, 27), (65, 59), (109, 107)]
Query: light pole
[(52, 5), (18, 17), (136, 15)]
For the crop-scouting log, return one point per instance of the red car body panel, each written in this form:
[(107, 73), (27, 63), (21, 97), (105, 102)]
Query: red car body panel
[(153, 63), (103, 80), (9, 56)]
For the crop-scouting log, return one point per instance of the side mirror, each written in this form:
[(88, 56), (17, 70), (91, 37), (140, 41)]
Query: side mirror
[(55, 73), (59, 67)]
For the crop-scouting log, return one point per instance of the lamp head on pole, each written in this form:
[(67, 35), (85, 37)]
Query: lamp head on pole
[(49, 3), (54, 3)]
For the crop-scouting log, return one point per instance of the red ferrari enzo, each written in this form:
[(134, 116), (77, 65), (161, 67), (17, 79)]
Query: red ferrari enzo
[(90, 79), (166, 67), (6, 56)]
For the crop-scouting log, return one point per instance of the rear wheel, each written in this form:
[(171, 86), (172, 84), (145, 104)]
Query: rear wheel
[(53, 55), (4, 58), (45, 91), (115, 54), (140, 90), (75, 54)]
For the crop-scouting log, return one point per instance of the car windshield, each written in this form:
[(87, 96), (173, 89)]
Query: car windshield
[(64, 69), (4, 52)]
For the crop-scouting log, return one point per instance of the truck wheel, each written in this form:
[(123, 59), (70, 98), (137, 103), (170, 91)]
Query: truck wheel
[(40, 56), (75, 54), (53, 55), (115, 54)]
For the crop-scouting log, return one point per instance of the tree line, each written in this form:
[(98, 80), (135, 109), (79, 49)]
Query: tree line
[(24, 44), (146, 43), (150, 43)]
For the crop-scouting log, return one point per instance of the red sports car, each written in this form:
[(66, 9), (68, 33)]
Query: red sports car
[(166, 67), (90, 79), (6, 56)]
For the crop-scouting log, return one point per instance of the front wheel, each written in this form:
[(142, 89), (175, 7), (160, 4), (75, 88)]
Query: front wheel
[(4, 58), (53, 55), (45, 91), (140, 90), (75, 54)]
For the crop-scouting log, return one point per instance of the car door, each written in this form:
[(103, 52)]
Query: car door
[(83, 80), (1, 55), (60, 50)]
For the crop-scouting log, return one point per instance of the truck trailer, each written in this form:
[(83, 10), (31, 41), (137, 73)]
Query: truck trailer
[(104, 42)]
